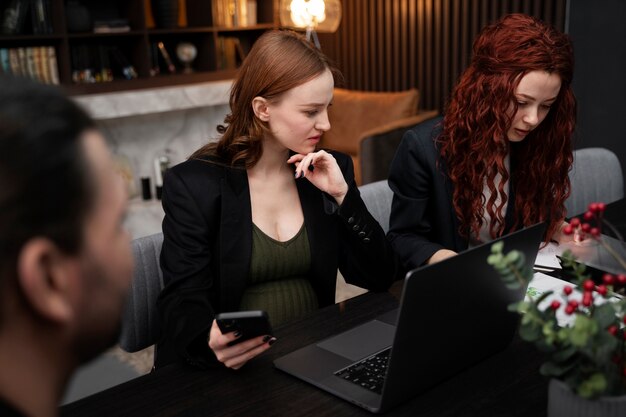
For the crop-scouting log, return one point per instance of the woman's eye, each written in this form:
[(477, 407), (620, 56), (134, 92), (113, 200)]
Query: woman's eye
[(546, 106), (521, 103), (311, 113)]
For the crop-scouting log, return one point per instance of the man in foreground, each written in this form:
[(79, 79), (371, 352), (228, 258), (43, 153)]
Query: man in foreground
[(65, 259)]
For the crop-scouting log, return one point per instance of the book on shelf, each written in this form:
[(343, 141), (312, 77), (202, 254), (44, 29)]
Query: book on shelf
[(53, 69), (40, 16), (14, 16), (234, 13), (4, 61), (230, 53)]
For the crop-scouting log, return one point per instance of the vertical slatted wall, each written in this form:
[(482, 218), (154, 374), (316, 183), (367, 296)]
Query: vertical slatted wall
[(392, 45)]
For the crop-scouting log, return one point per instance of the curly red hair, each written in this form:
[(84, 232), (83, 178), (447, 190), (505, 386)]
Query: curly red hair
[(474, 143)]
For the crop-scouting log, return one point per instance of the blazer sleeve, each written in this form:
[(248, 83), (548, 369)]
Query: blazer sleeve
[(184, 306), (412, 178), (366, 258)]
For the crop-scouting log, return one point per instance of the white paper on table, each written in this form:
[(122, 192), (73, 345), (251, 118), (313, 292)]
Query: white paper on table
[(542, 283), (547, 257)]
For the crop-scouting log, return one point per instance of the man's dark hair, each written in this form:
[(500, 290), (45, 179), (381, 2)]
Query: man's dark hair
[(46, 188)]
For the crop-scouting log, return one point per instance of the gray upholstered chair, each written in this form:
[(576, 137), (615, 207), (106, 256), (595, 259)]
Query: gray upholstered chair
[(595, 176), (140, 324), (377, 197)]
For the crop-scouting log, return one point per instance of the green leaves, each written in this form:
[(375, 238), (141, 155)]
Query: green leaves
[(585, 355), (592, 386)]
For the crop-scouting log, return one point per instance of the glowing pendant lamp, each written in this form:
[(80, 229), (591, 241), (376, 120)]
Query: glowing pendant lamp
[(312, 15)]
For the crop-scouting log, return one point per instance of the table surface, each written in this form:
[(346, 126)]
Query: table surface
[(507, 384)]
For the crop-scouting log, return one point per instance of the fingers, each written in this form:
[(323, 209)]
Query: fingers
[(307, 163), (248, 350), (237, 355)]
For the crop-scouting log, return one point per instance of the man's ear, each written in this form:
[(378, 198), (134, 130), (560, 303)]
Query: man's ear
[(261, 109), (47, 277)]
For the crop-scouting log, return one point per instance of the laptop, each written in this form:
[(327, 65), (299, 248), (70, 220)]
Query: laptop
[(459, 302)]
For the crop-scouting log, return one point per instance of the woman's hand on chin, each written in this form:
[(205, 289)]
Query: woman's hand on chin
[(321, 169)]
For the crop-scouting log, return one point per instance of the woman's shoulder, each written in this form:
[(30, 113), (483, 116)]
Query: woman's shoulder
[(427, 130), (203, 170)]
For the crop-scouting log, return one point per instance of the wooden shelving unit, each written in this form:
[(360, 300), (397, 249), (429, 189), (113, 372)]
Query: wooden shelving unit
[(136, 45)]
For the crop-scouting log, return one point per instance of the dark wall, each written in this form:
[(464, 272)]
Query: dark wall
[(598, 31), (392, 45)]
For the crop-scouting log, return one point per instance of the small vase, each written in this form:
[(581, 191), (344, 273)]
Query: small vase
[(165, 13), (562, 402)]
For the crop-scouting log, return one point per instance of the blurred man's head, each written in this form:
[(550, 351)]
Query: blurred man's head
[(65, 260)]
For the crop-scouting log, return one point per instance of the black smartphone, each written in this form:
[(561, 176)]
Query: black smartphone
[(249, 323)]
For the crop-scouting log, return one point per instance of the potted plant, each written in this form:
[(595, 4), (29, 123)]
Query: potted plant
[(586, 359)]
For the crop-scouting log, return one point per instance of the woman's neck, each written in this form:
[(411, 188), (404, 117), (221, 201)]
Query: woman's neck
[(272, 161)]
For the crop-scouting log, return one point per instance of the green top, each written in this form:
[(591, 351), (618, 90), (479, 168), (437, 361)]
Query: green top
[(278, 280)]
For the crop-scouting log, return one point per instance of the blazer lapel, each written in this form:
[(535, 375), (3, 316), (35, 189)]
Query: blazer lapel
[(235, 237)]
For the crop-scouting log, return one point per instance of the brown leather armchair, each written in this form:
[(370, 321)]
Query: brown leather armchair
[(355, 113)]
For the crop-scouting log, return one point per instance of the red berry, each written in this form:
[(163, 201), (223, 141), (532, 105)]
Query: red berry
[(585, 227), (568, 229), (612, 329), (593, 207), (601, 207), (556, 304), (588, 215), (575, 222), (621, 279), (608, 279), (589, 285), (595, 232), (602, 289), (567, 290), (587, 300), (624, 319), (569, 310), (573, 303)]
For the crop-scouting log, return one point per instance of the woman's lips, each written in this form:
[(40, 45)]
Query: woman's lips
[(522, 132)]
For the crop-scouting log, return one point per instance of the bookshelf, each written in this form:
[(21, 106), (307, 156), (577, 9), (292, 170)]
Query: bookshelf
[(125, 53)]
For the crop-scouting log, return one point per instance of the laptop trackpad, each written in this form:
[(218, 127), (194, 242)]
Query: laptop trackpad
[(361, 341)]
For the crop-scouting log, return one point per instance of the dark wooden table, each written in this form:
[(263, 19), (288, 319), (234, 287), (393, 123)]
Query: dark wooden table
[(507, 384)]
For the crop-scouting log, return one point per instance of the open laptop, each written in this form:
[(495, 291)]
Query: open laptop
[(459, 303)]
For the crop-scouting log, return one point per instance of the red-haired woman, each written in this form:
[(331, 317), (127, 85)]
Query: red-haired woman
[(261, 220), (499, 158)]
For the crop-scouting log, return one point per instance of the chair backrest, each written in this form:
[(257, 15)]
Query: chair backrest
[(596, 175), (377, 197), (140, 324)]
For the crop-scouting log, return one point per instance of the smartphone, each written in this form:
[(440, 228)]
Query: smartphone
[(250, 323)]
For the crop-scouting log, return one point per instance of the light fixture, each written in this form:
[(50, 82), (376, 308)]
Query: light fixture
[(312, 15)]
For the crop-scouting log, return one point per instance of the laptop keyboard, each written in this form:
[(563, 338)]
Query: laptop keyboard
[(369, 372)]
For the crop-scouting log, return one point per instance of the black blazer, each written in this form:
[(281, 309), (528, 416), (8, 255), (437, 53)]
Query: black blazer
[(207, 248), (422, 217)]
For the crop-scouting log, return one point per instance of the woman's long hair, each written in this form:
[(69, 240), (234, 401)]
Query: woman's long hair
[(277, 62), (474, 141)]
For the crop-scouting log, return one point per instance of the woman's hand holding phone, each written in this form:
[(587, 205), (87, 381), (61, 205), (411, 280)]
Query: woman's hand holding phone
[(235, 354)]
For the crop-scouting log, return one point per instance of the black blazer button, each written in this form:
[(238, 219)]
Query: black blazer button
[(366, 240), (351, 220), (361, 234), (355, 227)]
